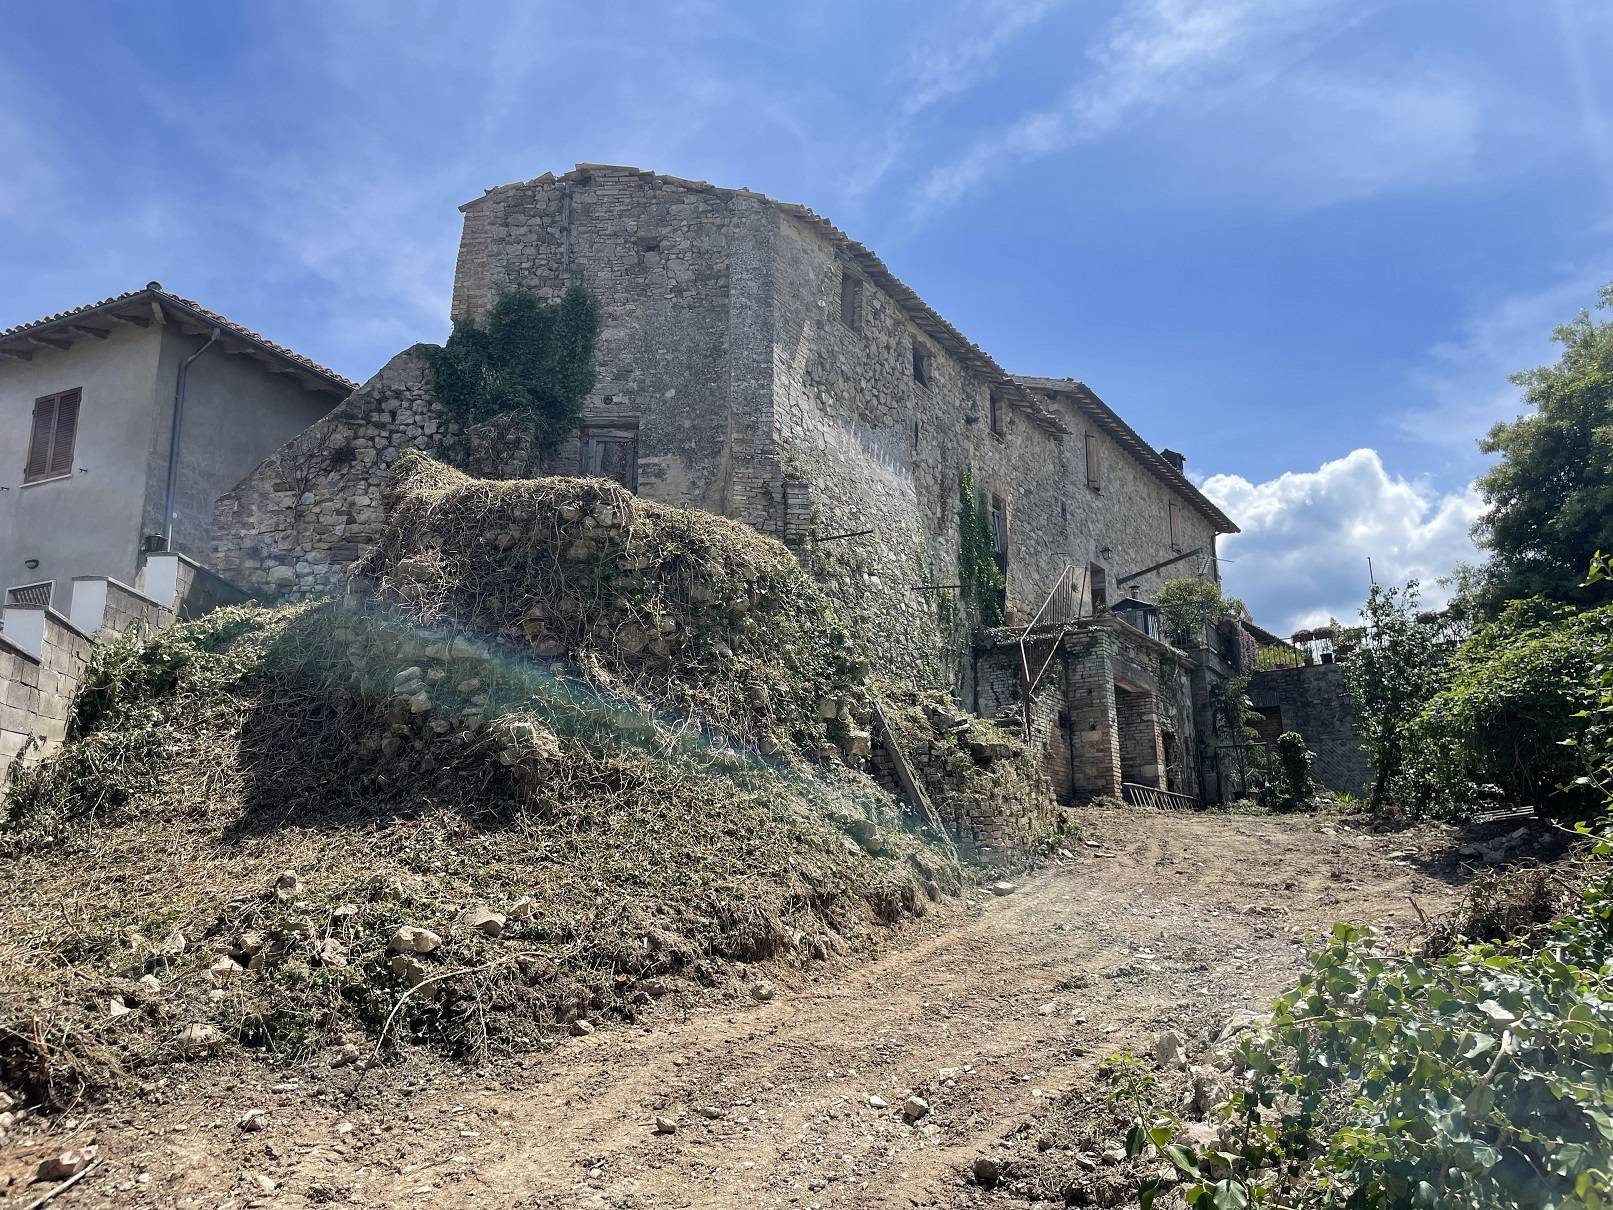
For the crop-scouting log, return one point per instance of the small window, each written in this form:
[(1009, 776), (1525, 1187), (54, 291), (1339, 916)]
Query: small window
[(50, 446), (1064, 513), (1094, 463), (1099, 588), (611, 453), (917, 429), (851, 300), (921, 364), (994, 406), (1176, 527)]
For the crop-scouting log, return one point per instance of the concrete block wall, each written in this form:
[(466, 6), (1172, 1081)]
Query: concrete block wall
[(43, 654)]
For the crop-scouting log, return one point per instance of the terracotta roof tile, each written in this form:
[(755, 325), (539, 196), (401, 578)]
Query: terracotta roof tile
[(39, 327)]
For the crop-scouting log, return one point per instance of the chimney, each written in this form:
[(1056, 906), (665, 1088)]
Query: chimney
[(1177, 460)]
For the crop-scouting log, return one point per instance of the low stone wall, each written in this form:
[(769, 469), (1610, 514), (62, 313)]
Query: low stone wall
[(43, 654), (1315, 701), (990, 790)]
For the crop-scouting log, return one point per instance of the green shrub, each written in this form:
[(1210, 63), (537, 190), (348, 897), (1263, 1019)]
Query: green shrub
[(1294, 786), (1511, 716), (1186, 605), (533, 360)]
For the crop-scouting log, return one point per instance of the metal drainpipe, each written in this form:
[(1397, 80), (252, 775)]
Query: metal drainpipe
[(173, 441)]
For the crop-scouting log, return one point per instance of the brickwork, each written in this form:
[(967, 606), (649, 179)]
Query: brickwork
[(1315, 701)]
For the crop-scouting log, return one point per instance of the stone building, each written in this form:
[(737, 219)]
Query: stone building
[(755, 361)]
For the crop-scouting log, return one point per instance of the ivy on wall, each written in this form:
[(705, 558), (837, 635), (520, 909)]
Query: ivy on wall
[(980, 578), (533, 362)]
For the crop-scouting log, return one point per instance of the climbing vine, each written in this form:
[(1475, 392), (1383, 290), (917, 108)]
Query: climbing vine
[(980, 580), (533, 362)]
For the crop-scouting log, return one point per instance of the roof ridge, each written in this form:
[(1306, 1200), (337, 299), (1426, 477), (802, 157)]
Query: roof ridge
[(154, 288)]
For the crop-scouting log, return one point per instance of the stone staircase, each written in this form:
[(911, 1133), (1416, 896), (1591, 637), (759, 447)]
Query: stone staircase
[(43, 653)]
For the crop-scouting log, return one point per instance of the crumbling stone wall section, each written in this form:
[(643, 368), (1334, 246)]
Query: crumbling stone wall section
[(989, 788), (1112, 706), (294, 526), (1315, 701)]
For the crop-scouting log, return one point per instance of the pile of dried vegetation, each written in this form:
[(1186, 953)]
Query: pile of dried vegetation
[(682, 610), (321, 830)]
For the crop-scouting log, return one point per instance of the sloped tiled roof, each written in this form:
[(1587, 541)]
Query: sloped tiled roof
[(135, 307), (1107, 419)]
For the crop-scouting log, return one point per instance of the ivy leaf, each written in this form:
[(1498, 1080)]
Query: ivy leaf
[(1184, 1159)]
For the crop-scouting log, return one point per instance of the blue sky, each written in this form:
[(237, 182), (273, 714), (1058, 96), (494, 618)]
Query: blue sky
[(1302, 240)]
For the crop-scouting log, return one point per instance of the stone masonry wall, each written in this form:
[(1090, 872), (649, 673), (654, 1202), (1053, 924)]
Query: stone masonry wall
[(680, 271), (1315, 701), (294, 526), (36, 691)]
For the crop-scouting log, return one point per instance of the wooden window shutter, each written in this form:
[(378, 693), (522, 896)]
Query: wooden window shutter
[(61, 445), (1176, 527), (38, 465), (1094, 468)]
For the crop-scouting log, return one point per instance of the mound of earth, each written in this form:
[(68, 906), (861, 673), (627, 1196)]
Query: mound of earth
[(572, 756)]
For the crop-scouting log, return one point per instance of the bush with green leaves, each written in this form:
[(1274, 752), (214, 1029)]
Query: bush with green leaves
[(1397, 667), (532, 360), (979, 577), (1186, 605), (1293, 785), (1477, 1076), (1512, 711)]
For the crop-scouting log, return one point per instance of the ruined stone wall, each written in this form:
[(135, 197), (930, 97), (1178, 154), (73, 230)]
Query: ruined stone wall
[(1095, 737), (294, 526), (1315, 701), (680, 272)]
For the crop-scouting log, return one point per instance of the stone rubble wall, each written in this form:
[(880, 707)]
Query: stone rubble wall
[(681, 274), (988, 787), (294, 526)]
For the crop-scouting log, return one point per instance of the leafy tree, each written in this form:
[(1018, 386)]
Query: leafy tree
[(1186, 605), (533, 360), (1391, 673), (1513, 710), (1550, 496)]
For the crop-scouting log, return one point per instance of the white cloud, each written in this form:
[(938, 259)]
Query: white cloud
[(1307, 535), (1462, 385)]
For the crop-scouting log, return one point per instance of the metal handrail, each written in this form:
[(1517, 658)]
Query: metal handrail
[(1027, 682)]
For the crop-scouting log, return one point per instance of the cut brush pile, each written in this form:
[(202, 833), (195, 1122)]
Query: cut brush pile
[(517, 793)]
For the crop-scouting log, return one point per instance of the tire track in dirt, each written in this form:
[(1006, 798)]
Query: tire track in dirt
[(1172, 920)]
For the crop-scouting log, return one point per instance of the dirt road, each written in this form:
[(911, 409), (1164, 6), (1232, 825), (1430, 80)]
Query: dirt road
[(983, 1010)]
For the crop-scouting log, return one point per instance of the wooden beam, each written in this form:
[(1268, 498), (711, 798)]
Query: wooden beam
[(86, 330), (15, 355), (158, 315), (193, 329), (50, 342), (138, 321)]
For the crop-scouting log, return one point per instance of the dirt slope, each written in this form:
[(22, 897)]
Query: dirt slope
[(1173, 920)]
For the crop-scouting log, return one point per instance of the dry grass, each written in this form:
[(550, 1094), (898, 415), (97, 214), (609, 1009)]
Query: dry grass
[(611, 805)]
